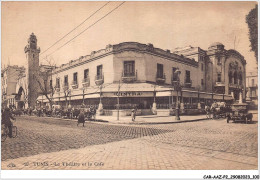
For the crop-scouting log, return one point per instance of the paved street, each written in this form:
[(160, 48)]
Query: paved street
[(46, 143)]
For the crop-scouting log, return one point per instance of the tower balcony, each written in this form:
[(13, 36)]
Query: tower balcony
[(86, 82), (99, 79), (160, 79), (129, 77), (74, 84)]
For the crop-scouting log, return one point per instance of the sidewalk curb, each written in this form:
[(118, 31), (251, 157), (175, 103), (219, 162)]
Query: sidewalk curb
[(150, 123), (130, 123)]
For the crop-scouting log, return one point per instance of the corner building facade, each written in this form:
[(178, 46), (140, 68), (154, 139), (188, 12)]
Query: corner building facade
[(133, 74)]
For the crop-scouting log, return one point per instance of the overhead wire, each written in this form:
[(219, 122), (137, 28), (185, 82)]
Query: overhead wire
[(87, 28), (75, 27)]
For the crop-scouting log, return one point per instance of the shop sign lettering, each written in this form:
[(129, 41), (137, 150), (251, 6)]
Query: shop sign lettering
[(128, 94)]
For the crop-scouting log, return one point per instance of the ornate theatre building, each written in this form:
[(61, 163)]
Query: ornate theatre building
[(132, 74)]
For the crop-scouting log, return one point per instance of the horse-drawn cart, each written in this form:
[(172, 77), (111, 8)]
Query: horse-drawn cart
[(239, 113)]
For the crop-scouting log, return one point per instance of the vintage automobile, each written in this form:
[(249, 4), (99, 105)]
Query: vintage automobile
[(239, 113)]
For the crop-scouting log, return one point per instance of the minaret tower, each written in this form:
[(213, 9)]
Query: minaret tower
[(32, 56)]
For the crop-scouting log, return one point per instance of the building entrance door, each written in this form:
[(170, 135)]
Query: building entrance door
[(20, 105)]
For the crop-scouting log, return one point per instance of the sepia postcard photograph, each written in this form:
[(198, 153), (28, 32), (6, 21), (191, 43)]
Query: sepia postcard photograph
[(130, 85)]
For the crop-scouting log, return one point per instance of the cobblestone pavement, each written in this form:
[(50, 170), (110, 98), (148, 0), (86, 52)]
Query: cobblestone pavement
[(44, 143)]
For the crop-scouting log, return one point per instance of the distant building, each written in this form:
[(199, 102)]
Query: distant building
[(252, 87), (9, 77)]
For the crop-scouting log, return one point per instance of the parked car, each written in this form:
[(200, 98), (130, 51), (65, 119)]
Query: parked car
[(239, 113)]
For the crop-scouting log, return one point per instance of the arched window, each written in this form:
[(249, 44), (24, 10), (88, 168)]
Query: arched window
[(230, 77), (235, 77)]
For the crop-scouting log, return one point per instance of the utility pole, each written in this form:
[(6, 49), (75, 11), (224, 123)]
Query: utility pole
[(83, 93), (118, 100)]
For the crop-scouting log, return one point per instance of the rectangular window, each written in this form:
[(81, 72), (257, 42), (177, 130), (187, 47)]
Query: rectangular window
[(219, 77), (66, 83), (75, 78), (174, 75), (202, 67), (202, 82), (159, 70), (253, 94), (253, 82), (187, 77), (51, 83), (86, 72), (99, 72), (129, 68), (57, 82), (219, 61)]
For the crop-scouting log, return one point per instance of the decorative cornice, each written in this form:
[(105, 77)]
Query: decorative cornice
[(126, 46), (235, 53)]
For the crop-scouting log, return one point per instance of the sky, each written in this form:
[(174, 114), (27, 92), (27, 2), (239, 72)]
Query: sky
[(167, 25)]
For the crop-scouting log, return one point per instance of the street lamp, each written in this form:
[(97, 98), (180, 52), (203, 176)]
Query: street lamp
[(118, 100), (177, 87), (100, 105), (154, 109), (199, 105), (69, 93)]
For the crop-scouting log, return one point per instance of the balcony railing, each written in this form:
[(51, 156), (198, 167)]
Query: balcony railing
[(187, 83), (99, 79), (57, 89), (74, 84), (174, 79), (160, 79), (253, 86), (235, 86), (129, 77), (86, 82), (65, 87), (219, 84)]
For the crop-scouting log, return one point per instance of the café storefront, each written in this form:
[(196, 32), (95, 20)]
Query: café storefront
[(140, 95)]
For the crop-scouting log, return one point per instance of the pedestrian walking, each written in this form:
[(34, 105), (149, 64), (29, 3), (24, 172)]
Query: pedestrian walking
[(133, 113), (93, 112), (81, 118), (208, 112)]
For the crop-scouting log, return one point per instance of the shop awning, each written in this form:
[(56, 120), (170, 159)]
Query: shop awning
[(129, 90)]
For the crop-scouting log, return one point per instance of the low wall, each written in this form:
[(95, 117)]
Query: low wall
[(127, 112), (172, 112), (160, 112)]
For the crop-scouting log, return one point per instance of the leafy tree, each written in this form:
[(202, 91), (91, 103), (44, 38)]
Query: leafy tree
[(252, 21)]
